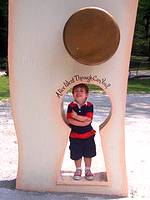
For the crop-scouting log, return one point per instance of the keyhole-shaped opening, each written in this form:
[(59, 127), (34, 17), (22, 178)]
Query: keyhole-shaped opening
[(102, 113)]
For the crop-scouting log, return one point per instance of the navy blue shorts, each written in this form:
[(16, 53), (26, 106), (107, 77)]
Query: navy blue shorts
[(82, 148)]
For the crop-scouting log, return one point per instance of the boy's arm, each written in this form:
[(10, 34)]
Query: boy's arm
[(78, 123), (80, 118)]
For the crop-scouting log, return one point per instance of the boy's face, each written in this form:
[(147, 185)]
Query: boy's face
[(80, 95)]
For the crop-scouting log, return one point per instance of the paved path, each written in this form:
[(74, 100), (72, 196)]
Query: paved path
[(2, 73), (139, 73), (137, 152)]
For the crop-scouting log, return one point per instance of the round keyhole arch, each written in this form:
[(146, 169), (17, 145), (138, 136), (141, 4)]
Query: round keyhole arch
[(102, 114), (101, 102)]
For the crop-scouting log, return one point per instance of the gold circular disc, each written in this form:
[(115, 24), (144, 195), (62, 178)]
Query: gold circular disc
[(91, 36)]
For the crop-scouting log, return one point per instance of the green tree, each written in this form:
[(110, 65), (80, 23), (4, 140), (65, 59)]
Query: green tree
[(3, 27), (3, 34), (141, 41)]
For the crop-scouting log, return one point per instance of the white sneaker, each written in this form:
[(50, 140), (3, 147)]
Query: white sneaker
[(88, 175), (77, 174)]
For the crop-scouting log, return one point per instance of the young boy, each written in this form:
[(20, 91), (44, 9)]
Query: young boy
[(79, 116)]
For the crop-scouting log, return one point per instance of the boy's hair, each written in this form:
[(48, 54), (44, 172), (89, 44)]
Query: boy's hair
[(81, 85)]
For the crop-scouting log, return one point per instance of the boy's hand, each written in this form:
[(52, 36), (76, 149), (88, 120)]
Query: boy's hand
[(74, 114)]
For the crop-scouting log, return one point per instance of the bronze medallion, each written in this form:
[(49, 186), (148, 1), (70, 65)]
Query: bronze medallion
[(91, 36)]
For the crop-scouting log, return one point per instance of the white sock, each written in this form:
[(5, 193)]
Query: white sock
[(78, 168), (87, 168)]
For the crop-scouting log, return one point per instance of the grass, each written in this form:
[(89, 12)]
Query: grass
[(139, 86), (134, 86), (4, 88)]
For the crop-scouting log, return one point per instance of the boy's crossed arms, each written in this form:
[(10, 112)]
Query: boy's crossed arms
[(79, 120)]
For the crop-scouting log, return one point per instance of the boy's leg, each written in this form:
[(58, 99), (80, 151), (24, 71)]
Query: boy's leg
[(76, 155), (87, 162), (78, 163)]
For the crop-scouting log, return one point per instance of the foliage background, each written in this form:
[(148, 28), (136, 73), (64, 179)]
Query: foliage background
[(141, 41)]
